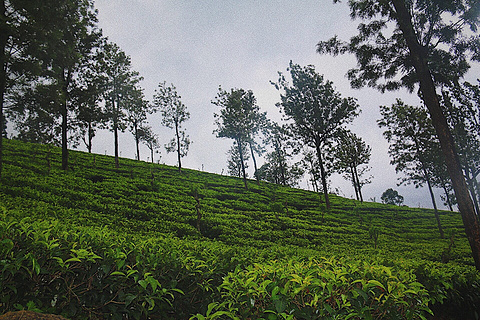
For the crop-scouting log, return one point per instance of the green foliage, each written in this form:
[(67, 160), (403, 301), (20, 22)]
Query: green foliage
[(100, 242)]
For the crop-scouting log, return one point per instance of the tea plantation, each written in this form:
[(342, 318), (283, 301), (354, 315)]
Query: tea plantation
[(146, 242)]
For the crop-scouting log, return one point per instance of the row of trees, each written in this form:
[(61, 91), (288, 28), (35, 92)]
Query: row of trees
[(61, 81), (315, 116)]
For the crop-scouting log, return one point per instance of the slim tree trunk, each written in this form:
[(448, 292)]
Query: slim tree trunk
[(447, 195), (323, 177), (471, 188), (242, 164), (137, 141), (3, 75), (151, 153), (254, 163), (354, 182), (90, 137), (359, 186), (178, 147), (64, 129), (430, 98), (434, 203)]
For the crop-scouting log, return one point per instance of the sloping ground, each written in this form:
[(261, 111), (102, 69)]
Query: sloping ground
[(104, 242)]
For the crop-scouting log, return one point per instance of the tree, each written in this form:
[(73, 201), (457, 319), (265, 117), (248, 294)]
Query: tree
[(234, 161), (413, 145), (351, 154), (136, 115), (316, 109), (462, 107), (89, 112), (70, 39), (237, 119), (150, 139), (418, 42), (391, 196), (277, 168), (174, 113), (119, 84), (18, 28)]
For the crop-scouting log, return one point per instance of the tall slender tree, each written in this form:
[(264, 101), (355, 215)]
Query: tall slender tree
[(412, 140), (119, 84), (418, 42), (237, 119), (174, 114), (137, 111), (316, 109)]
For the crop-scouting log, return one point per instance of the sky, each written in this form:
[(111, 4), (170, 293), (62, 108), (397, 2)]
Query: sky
[(201, 45)]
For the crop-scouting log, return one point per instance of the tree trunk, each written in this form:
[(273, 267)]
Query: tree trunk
[(280, 163), (447, 195), (137, 141), (178, 147), (323, 177), (242, 164), (430, 98), (151, 153), (359, 186), (3, 75), (354, 182), (471, 188), (90, 137), (64, 112), (434, 203), (254, 163)]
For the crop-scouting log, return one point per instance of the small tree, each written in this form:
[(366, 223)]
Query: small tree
[(150, 139), (351, 156), (234, 161), (391, 196), (237, 120), (174, 114)]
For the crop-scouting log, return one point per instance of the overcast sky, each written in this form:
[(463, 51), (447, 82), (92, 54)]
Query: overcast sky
[(200, 45)]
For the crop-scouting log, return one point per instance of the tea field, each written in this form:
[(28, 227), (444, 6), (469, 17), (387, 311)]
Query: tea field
[(146, 242)]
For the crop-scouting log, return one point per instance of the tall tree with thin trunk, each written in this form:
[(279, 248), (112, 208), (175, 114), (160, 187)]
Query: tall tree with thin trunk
[(237, 119), (316, 111), (412, 140), (422, 42), (119, 84), (174, 114), (136, 115)]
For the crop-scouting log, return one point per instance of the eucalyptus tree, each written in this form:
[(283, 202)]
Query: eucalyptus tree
[(69, 44), (352, 155), (412, 140), (136, 113), (150, 139), (174, 114), (237, 119), (119, 85), (316, 111), (429, 43)]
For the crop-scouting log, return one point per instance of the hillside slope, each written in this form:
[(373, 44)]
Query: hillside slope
[(139, 225)]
